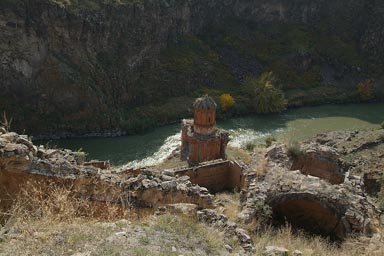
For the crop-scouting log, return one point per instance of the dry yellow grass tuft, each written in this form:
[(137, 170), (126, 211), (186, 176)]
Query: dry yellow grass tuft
[(238, 154), (231, 202), (57, 203), (314, 245)]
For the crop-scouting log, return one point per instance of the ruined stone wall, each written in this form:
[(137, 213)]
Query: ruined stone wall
[(237, 176), (21, 163), (216, 175), (320, 161), (308, 202)]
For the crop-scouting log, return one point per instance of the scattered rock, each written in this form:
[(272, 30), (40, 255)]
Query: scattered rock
[(88, 253), (168, 184), (228, 247), (211, 217), (147, 183), (242, 235), (183, 208), (297, 253), (275, 251), (120, 234), (167, 178)]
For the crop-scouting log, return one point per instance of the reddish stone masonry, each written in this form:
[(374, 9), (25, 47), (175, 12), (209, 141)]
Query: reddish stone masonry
[(201, 141)]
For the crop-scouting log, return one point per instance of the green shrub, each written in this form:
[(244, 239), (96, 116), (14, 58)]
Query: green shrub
[(263, 215), (267, 97), (269, 140), (294, 150), (250, 146), (382, 125)]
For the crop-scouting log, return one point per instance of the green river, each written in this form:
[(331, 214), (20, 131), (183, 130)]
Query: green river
[(294, 125)]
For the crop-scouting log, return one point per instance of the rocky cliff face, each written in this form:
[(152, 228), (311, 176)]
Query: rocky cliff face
[(90, 66)]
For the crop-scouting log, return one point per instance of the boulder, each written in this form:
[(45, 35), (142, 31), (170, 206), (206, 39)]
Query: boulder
[(183, 208), (243, 235), (275, 251), (297, 253)]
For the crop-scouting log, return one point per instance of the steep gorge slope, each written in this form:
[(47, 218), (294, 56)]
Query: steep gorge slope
[(96, 65)]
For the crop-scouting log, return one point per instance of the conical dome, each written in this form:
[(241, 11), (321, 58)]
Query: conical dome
[(205, 102)]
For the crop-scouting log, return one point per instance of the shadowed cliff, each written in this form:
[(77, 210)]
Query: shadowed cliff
[(94, 66)]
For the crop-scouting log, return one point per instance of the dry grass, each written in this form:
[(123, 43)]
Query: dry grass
[(263, 236), (170, 163), (52, 221), (238, 154), (57, 203), (260, 162), (313, 245), (231, 202), (190, 236)]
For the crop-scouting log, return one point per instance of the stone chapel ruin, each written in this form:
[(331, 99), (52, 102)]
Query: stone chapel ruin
[(201, 141)]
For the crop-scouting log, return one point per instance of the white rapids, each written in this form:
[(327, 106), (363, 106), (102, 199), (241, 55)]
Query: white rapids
[(238, 138), (170, 144)]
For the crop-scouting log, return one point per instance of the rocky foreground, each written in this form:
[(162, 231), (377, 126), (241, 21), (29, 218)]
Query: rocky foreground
[(329, 186), (22, 162)]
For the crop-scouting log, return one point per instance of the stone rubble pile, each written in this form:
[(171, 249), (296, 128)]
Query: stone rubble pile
[(171, 188), (211, 217)]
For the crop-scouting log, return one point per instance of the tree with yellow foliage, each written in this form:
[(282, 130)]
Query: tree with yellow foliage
[(226, 101)]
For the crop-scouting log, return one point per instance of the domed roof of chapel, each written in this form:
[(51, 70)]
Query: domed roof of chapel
[(205, 103)]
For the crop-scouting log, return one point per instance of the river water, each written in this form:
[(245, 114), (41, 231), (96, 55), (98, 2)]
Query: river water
[(294, 125)]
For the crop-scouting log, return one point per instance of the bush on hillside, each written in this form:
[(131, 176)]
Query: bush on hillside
[(267, 97), (250, 146), (226, 101), (366, 90), (294, 150), (269, 140)]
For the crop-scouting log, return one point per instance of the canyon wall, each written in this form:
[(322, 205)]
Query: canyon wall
[(97, 65)]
